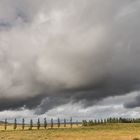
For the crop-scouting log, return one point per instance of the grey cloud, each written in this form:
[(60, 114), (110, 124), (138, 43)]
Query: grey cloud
[(133, 103), (11, 104), (55, 52)]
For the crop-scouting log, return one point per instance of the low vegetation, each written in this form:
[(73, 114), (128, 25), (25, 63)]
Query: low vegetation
[(110, 131)]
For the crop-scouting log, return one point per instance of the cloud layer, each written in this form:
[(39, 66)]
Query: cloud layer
[(54, 52)]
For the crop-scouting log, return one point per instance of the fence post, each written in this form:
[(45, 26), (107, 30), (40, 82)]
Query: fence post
[(45, 123), (51, 123), (5, 124), (15, 124), (23, 124)]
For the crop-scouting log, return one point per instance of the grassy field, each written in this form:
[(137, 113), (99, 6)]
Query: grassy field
[(98, 132)]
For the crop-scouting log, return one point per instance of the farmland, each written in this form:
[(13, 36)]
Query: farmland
[(120, 131)]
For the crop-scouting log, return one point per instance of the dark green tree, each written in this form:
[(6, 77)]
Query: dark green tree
[(105, 121), (64, 122), (45, 123), (5, 124), (58, 122), (101, 121), (51, 123), (77, 122), (84, 123), (15, 124), (38, 124), (23, 124), (31, 124), (90, 123), (98, 121), (95, 121), (71, 122), (108, 120)]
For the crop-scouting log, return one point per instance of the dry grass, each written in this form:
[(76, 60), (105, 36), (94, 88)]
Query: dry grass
[(99, 132)]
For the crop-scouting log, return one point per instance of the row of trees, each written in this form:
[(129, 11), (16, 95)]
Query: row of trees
[(58, 123), (45, 124), (110, 120)]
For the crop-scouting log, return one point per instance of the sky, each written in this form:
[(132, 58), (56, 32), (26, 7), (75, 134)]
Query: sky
[(67, 58)]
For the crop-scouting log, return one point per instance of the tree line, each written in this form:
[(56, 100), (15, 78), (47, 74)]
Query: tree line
[(57, 123), (110, 120), (64, 123)]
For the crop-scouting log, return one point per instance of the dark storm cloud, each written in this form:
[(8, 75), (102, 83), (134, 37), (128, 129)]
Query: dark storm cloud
[(10, 104), (55, 52), (133, 103)]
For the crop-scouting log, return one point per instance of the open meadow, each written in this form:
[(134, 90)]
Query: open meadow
[(125, 131)]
